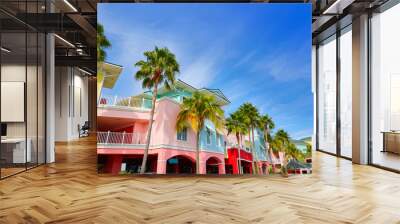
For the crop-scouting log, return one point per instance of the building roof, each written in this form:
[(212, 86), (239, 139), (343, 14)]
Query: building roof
[(111, 73), (218, 92), (185, 86)]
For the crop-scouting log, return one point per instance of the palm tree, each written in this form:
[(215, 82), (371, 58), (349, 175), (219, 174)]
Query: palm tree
[(159, 68), (251, 118), (282, 142), (235, 124), (102, 44), (294, 152), (194, 112), (309, 150), (267, 124)]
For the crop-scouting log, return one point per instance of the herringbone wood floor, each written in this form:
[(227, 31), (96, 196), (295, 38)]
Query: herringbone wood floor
[(70, 191)]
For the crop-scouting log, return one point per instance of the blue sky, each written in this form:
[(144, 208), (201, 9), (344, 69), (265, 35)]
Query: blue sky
[(258, 53)]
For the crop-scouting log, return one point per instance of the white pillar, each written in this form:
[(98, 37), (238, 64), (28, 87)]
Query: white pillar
[(360, 90), (50, 100), (314, 92)]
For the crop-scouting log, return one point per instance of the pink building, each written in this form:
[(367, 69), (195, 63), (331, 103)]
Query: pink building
[(123, 123)]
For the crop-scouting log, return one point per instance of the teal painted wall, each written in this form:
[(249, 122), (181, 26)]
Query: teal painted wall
[(147, 103), (259, 143), (213, 145), (176, 94)]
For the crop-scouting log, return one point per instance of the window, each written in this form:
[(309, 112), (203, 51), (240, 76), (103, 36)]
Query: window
[(22, 82), (327, 95), (219, 140), (346, 92), (385, 88), (182, 135), (208, 136)]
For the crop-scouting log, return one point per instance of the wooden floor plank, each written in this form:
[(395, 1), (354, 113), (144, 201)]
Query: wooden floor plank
[(70, 191)]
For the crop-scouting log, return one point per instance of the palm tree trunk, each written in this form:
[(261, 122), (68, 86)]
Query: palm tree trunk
[(240, 160), (272, 159), (198, 152), (146, 150), (241, 146), (252, 153), (284, 170)]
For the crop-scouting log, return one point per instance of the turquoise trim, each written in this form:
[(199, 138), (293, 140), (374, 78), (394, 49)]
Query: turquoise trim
[(176, 95), (217, 142), (259, 145)]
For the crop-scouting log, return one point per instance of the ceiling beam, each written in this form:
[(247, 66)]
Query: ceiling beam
[(76, 61)]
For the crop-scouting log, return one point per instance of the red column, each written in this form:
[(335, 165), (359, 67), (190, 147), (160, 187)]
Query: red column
[(235, 168), (233, 160), (113, 164)]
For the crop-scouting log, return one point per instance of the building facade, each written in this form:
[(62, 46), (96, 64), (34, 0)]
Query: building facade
[(122, 130)]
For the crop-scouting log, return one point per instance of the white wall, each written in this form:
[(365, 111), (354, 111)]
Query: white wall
[(62, 82), (33, 126), (16, 73), (71, 102)]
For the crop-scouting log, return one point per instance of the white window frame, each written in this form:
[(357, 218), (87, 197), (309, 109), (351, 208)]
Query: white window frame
[(181, 134)]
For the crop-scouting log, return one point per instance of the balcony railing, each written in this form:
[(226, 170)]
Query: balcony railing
[(117, 101), (120, 138)]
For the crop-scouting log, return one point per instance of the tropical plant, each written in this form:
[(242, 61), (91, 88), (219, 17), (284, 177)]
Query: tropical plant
[(289, 149), (235, 124), (267, 124), (251, 118), (294, 153), (308, 150), (102, 43), (159, 68), (281, 142), (194, 112)]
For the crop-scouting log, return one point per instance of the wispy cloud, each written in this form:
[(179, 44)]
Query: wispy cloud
[(198, 68), (247, 63), (128, 46), (244, 60), (285, 64), (204, 66)]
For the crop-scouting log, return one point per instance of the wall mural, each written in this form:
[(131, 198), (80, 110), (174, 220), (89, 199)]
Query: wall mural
[(219, 89)]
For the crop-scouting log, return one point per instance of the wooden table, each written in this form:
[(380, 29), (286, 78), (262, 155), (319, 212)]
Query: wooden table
[(391, 141), (13, 150)]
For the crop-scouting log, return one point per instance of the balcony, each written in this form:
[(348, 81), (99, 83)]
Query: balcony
[(120, 139), (125, 102)]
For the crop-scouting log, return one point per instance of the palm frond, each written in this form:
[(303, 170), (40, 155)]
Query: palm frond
[(159, 67), (102, 43)]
